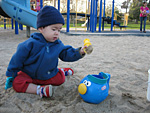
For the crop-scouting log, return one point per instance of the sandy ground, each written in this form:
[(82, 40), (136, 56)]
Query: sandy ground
[(126, 58)]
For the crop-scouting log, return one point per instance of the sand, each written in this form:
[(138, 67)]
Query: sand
[(126, 58)]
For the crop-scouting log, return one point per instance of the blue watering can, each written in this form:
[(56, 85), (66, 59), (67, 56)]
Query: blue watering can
[(94, 88)]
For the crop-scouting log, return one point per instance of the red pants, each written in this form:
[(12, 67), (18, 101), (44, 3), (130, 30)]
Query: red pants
[(21, 82)]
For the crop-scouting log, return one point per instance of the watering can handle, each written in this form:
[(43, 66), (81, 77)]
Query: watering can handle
[(108, 77)]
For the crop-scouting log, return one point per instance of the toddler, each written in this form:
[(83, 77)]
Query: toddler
[(33, 67)]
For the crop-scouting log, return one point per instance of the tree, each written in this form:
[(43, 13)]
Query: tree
[(134, 11), (125, 5)]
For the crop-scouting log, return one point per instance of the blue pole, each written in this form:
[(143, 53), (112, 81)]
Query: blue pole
[(100, 16), (41, 4), (104, 9), (112, 18), (58, 5), (68, 14), (16, 27), (4, 23), (93, 26), (20, 26), (96, 14), (103, 15), (91, 15), (12, 24)]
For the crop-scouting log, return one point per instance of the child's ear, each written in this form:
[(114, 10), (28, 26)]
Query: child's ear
[(40, 29)]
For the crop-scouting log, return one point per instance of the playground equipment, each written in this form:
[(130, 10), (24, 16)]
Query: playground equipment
[(109, 20), (5, 22), (125, 23), (83, 25), (80, 14), (93, 15), (21, 12), (94, 88)]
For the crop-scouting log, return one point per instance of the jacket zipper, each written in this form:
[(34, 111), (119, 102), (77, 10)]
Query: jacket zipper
[(47, 50)]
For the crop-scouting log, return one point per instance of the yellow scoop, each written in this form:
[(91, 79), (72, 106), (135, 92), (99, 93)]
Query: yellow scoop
[(89, 48)]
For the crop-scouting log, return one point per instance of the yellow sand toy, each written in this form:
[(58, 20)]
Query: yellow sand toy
[(89, 48)]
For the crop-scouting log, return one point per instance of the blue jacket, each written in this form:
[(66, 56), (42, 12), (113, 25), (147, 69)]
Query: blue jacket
[(39, 59)]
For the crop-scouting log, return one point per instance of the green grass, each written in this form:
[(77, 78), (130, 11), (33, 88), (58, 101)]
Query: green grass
[(131, 25)]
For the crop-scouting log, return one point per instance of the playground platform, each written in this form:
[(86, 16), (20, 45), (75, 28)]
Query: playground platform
[(109, 33)]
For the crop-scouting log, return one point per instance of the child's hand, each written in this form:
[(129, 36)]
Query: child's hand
[(86, 49), (82, 50)]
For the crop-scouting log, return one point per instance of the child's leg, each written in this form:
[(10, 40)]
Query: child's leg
[(40, 90), (32, 88), (21, 82), (25, 84), (47, 90)]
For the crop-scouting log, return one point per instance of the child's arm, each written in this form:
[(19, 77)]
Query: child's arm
[(17, 61), (70, 54)]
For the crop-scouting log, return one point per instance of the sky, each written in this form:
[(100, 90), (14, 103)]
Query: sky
[(118, 3)]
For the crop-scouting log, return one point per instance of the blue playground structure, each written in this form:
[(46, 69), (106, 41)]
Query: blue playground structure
[(20, 11), (92, 17)]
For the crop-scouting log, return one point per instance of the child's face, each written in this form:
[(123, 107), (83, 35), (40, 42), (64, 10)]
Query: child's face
[(51, 32)]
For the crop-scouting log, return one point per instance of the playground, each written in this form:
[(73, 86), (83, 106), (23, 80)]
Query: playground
[(126, 58), (122, 53), (93, 17)]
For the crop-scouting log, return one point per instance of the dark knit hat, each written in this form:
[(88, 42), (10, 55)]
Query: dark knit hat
[(49, 15)]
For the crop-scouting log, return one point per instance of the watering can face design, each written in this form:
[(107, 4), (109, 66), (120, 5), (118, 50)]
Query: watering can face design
[(94, 88)]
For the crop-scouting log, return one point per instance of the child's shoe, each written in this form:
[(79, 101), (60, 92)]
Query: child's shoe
[(68, 71), (46, 91)]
